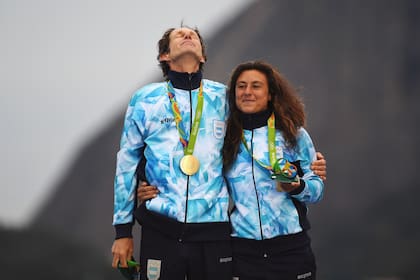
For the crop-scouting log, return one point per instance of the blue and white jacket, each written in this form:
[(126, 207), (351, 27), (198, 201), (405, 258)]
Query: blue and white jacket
[(260, 211), (151, 141)]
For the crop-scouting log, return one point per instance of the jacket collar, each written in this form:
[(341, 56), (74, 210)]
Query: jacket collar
[(256, 120), (185, 80)]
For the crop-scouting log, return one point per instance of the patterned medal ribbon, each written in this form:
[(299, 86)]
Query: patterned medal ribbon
[(187, 144), (188, 164)]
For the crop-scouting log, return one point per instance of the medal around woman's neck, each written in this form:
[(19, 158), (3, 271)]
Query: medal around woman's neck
[(281, 170), (189, 164)]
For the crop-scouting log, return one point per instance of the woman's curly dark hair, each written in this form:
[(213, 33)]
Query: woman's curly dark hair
[(287, 106)]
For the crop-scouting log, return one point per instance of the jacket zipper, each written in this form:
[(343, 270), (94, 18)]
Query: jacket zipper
[(255, 185), (188, 177)]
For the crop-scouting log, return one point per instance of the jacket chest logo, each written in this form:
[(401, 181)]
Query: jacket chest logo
[(167, 120), (218, 129)]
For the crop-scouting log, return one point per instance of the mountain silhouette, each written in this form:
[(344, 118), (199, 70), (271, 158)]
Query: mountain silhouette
[(357, 67)]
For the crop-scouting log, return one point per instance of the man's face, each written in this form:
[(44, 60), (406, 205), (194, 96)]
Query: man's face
[(183, 41)]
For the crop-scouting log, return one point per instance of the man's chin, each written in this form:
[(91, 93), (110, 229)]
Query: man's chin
[(188, 55)]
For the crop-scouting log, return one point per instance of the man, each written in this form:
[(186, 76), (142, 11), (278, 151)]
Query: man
[(172, 139), (173, 131)]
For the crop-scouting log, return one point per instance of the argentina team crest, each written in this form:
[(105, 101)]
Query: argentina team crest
[(218, 129)]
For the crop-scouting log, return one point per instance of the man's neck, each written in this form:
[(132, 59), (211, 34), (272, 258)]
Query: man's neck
[(185, 65)]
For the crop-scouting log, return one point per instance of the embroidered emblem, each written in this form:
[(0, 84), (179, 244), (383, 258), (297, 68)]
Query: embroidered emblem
[(218, 129), (153, 269)]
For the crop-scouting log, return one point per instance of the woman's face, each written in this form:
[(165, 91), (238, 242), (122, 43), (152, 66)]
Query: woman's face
[(251, 92)]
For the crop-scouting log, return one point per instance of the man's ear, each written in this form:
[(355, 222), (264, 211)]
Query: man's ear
[(164, 57)]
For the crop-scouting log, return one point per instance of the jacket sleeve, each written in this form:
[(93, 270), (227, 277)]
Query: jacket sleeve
[(128, 157), (313, 186)]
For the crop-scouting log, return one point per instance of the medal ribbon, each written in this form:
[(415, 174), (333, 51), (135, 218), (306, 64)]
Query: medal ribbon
[(281, 166), (187, 144), (271, 145)]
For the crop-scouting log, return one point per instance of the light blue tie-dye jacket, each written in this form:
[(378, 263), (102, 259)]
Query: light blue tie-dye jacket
[(149, 124), (260, 210)]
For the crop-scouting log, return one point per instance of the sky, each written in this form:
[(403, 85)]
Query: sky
[(67, 68)]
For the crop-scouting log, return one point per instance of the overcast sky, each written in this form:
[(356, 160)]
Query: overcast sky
[(66, 69)]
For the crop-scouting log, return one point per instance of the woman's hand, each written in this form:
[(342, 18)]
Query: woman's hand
[(287, 187), (146, 192)]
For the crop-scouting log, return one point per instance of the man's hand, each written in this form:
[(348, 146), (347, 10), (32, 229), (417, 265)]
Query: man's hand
[(146, 192), (122, 251), (319, 166)]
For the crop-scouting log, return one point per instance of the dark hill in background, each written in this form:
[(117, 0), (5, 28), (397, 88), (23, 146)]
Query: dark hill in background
[(44, 255), (358, 66)]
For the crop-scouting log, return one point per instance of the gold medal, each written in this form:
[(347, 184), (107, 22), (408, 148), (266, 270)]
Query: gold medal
[(189, 164)]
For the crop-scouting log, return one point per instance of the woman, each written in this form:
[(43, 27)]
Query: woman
[(269, 223)]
